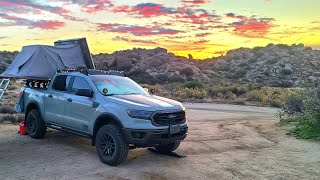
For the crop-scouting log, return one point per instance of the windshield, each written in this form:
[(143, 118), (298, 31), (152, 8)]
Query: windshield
[(116, 85)]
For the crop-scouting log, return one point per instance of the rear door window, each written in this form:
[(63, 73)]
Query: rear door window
[(79, 83), (61, 83)]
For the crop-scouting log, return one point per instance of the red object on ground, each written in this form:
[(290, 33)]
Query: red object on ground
[(23, 130)]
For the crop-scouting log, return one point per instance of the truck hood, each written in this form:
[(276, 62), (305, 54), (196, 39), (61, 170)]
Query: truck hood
[(145, 102)]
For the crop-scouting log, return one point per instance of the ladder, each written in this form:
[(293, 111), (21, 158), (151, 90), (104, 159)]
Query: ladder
[(3, 86)]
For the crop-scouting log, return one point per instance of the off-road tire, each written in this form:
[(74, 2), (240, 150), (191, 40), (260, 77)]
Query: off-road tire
[(168, 147), (121, 147), (35, 125)]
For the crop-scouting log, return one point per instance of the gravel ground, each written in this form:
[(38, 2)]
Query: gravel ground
[(224, 142)]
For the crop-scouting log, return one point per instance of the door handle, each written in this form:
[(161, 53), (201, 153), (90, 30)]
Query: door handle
[(50, 96), (95, 104), (69, 100)]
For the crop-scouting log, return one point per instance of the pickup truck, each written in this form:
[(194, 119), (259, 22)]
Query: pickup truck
[(112, 110)]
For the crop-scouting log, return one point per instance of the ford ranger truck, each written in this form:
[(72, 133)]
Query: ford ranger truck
[(113, 111)]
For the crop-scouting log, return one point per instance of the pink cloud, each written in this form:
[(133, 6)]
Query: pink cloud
[(145, 10), (136, 30), (193, 3), (250, 26), (48, 24), (137, 41), (42, 24)]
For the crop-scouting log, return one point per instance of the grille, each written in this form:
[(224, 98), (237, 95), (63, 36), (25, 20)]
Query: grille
[(168, 118)]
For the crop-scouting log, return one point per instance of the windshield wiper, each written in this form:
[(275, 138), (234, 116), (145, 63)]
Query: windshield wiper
[(111, 94), (134, 93)]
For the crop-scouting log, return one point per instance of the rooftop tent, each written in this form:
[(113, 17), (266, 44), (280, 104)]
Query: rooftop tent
[(42, 62)]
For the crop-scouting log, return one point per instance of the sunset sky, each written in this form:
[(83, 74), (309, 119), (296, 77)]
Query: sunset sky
[(203, 28)]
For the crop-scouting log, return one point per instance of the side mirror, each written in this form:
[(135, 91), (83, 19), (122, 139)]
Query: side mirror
[(85, 92), (152, 91), (146, 89)]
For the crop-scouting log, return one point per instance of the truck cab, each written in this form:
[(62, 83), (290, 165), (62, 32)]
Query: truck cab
[(107, 107)]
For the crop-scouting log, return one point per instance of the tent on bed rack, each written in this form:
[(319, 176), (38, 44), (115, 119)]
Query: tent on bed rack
[(41, 62)]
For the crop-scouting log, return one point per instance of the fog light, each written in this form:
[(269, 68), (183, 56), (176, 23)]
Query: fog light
[(138, 135)]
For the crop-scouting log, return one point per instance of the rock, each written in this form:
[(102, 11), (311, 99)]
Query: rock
[(312, 78), (159, 50), (124, 63)]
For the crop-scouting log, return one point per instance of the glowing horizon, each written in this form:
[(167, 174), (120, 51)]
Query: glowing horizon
[(201, 28)]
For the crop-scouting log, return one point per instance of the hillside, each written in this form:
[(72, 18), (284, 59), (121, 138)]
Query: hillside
[(273, 65)]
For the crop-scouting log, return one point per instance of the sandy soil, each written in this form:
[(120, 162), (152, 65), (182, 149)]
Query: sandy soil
[(224, 142)]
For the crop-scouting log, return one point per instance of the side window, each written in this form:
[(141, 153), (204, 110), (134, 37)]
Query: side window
[(80, 83), (61, 83)]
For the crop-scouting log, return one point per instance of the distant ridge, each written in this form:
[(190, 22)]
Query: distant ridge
[(273, 65)]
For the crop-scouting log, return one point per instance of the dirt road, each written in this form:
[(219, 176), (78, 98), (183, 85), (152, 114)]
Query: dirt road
[(224, 142)]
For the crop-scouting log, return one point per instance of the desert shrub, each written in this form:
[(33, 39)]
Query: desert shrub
[(177, 78), (161, 78), (243, 64), (272, 61), (252, 60), (257, 95), (302, 109), (230, 95), (6, 110), (187, 71), (276, 103), (220, 95), (286, 71), (193, 85), (143, 77), (186, 93), (293, 103), (14, 118), (12, 87)]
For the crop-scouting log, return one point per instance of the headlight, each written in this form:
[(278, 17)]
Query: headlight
[(139, 114)]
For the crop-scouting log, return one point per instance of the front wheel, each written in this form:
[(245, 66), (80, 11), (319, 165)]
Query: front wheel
[(168, 147), (35, 126), (111, 147)]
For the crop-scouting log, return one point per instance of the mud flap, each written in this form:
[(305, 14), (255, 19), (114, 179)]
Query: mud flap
[(174, 154)]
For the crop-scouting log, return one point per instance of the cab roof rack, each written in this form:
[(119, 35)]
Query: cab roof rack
[(86, 71)]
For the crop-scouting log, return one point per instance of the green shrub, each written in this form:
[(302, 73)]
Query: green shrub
[(286, 71), (187, 71), (276, 103), (303, 110), (193, 85), (230, 95), (257, 95)]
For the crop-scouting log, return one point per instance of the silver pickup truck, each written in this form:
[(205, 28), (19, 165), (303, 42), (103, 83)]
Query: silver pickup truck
[(111, 109)]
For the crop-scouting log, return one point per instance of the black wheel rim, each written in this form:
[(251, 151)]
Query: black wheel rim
[(32, 124), (107, 145)]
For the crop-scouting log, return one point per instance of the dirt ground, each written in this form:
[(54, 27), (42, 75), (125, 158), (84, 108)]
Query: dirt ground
[(224, 142)]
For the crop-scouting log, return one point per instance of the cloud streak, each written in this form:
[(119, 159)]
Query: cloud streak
[(250, 27), (136, 30)]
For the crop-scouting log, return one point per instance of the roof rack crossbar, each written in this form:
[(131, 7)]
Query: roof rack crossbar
[(87, 72)]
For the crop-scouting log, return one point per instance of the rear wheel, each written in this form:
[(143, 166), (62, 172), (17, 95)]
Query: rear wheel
[(35, 125), (168, 147), (111, 147)]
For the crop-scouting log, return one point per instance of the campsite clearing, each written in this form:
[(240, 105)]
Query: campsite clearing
[(224, 142)]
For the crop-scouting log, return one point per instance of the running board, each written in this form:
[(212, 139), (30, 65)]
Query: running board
[(68, 130)]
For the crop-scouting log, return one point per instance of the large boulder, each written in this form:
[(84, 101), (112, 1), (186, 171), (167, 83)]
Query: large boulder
[(124, 63)]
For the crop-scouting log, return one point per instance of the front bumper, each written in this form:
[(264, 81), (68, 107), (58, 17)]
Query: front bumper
[(152, 137)]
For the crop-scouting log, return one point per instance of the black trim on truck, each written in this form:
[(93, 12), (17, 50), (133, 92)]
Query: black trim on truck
[(152, 137)]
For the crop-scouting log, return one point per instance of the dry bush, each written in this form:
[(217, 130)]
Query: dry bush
[(14, 118), (6, 110)]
